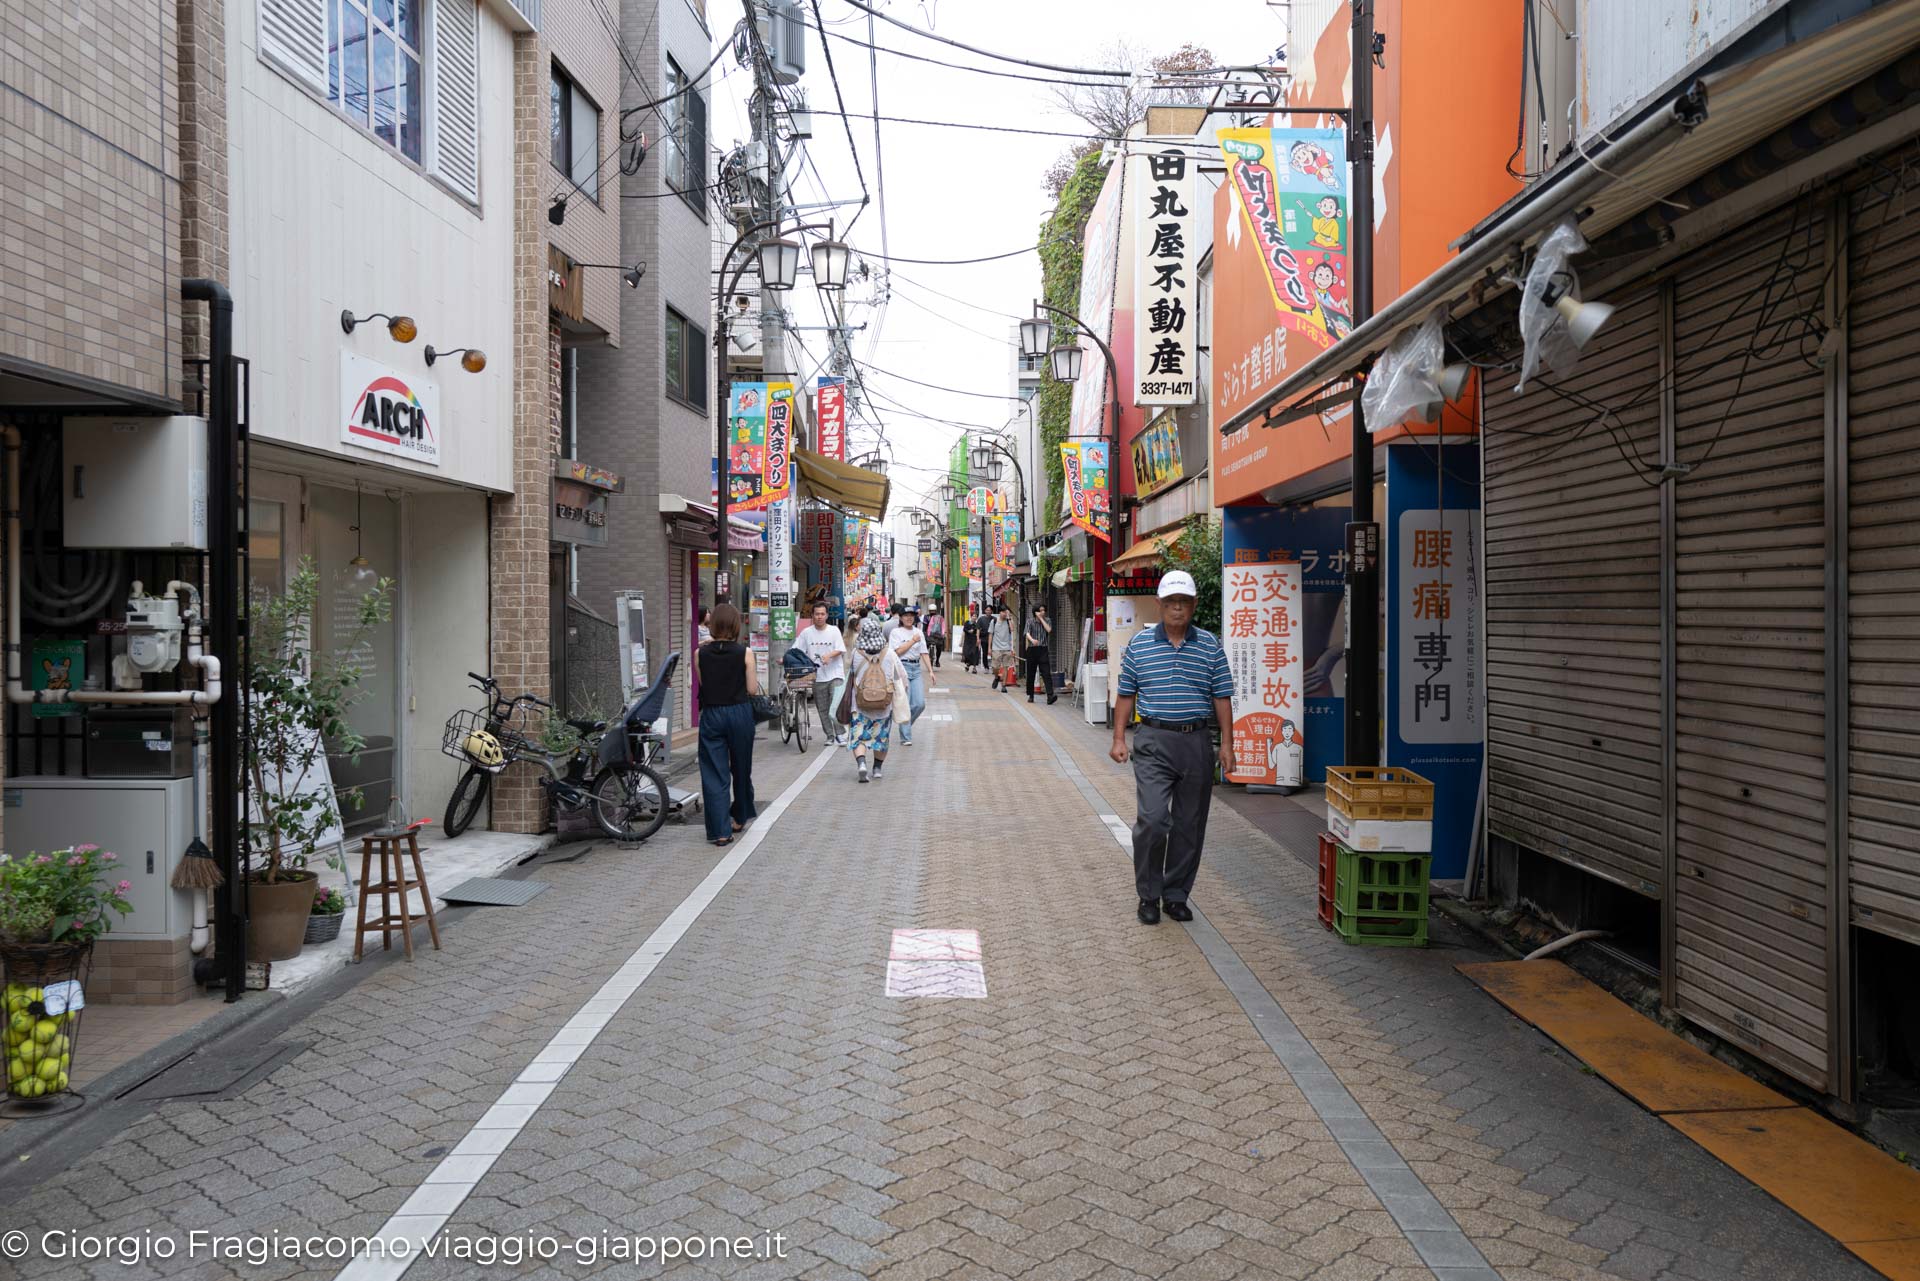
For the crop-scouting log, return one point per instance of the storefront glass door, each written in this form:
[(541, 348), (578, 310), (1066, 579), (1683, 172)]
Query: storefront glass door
[(333, 515)]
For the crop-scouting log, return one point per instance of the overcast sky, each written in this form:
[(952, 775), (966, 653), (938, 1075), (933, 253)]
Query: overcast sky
[(959, 193)]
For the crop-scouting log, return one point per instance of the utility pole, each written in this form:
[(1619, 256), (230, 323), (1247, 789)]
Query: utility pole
[(768, 211), (1363, 531)]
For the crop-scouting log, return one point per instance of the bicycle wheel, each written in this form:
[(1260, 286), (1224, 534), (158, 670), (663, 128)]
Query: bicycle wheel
[(800, 713), (465, 803), (629, 802), (787, 718)]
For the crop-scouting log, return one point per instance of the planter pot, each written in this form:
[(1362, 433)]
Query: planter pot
[(277, 916), (324, 929)]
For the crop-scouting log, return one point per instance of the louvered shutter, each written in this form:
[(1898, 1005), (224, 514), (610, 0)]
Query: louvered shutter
[(697, 146), (294, 34), (456, 95)]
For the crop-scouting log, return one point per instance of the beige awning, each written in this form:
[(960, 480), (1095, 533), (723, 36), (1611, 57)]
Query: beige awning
[(1146, 552), (844, 485)]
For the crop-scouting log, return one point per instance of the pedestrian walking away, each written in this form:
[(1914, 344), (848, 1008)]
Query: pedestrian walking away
[(970, 645), (936, 630), (908, 642), (728, 682), (1000, 649), (1177, 675), (822, 642), (1039, 634), (873, 668)]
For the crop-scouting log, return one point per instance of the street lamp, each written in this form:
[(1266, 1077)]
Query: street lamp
[(1066, 368), (1036, 335), (830, 265), (1066, 364), (779, 263)]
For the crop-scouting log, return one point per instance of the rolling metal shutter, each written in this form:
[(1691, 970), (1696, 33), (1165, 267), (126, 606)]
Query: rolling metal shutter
[(1751, 917), (679, 633), (1883, 565), (1573, 610)]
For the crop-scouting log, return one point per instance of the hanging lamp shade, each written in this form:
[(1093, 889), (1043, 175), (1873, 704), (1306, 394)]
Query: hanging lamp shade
[(1066, 364), (779, 262), (1035, 335), (829, 264)]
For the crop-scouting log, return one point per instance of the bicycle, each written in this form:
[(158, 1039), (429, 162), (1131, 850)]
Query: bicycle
[(796, 705), (627, 798)]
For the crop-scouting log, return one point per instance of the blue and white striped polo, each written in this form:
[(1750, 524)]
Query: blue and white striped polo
[(1175, 682)]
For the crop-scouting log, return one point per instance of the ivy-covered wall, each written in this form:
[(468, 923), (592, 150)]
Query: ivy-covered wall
[(1062, 242)]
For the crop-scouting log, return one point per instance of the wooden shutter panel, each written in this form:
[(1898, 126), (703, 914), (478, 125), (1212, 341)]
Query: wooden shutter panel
[(456, 95), (294, 34)]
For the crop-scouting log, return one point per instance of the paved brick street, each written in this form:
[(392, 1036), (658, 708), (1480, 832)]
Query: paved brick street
[(1119, 1105)]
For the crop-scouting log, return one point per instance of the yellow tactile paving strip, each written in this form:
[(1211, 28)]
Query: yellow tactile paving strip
[(1844, 1186)]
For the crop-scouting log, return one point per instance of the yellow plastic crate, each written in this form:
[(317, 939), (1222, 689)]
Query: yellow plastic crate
[(1386, 793)]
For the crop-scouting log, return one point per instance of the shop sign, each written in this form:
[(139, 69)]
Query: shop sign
[(1085, 464), (830, 416), (780, 554), (388, 412), (982, 501), (1260, 615), (759, 445), (565, 294), (1436, 698), (579, 513), (1156, 455), (1165, 284)]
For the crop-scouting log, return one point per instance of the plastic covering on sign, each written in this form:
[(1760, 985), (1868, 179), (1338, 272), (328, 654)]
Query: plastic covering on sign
[(1542, 330), (1405, 382)]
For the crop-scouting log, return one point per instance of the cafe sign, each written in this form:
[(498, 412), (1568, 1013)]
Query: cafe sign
[(388, 412), (565, 294)]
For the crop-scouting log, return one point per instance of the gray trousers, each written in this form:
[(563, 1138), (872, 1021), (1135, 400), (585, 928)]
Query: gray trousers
[(1173, 782), (826, 701)]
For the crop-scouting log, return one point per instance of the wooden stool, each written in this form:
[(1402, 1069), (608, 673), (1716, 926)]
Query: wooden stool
[(393, 880)]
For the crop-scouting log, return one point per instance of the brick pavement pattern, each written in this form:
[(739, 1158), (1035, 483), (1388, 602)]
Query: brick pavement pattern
[(1108, 1111)]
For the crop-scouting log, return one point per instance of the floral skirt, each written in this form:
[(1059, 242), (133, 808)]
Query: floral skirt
[(870, 731)]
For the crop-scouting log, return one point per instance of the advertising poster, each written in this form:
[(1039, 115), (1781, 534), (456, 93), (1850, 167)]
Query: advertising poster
[(781, 614), (1436, 687), (1084, 463), (1165, 283), (759, 445), (1315, 537), (1260, 616), (1291, 189), (1156, 455), (830, 416), (57, 664)]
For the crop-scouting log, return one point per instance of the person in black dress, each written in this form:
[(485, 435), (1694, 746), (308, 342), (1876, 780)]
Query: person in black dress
[(728, 681)]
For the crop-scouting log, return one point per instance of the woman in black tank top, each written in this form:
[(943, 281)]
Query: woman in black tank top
[(728, 682)]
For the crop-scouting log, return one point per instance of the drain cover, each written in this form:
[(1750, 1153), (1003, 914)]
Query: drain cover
[(226, 1074), (493, 891)]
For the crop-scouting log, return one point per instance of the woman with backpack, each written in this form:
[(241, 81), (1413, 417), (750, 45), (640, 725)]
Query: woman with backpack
[(728, 682), (875, 669)]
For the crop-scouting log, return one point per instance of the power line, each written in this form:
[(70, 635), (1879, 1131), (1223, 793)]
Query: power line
[(846, 124), (1003, 315), (981, 395), (986, 53), (984, 71), (1158, 145)]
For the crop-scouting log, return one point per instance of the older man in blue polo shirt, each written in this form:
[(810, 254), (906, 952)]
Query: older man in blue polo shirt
[(1178, 675)]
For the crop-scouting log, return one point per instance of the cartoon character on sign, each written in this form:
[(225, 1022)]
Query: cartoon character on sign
[(1314, 162), (1287, 757), (60, 674), (1329, 312), (1326, 224)]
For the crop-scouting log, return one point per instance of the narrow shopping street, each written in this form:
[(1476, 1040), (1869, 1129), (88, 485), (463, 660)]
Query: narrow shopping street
[(1245, 1096)]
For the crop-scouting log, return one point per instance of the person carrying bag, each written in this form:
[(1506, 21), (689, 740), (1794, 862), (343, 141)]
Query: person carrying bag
[(878, 683)]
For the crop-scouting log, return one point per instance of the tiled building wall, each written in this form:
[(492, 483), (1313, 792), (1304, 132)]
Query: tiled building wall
[(519, 535), (203, 156), (90, 193), (577, 38)]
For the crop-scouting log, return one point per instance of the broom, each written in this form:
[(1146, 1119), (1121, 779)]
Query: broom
[(198, 871)]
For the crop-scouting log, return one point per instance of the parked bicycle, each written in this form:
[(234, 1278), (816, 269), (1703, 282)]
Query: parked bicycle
[(796, 697), (601, 772)]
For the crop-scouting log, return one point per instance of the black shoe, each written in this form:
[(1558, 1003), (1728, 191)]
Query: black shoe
[(1149, 911), (1052, 699), (1029, 698), (1179, 911)]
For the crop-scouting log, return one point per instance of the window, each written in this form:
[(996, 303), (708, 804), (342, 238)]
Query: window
[(373, 69), (685, 113), (575, 123), (686, 360)]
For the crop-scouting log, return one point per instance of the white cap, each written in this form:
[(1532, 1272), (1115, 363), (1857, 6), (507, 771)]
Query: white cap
[(1178, 582)]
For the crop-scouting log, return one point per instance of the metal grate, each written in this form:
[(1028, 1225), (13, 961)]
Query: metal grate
[(493, 891)]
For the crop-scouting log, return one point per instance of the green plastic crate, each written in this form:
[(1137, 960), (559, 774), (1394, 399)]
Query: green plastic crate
[(1373, 931), (1383, 885)]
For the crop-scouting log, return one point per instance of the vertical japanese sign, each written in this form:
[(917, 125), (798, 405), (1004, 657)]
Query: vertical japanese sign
[(1436, 689), (830, 416), (1085, 464), (1165, 283), (781, 615), (1316, 537), (1156, 455), (759, 445), (1291, 189), (1260, 614), (970, 558), (1006, 532), (818, 545)]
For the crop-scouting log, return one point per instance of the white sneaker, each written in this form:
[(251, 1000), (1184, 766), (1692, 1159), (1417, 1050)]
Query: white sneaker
[(878, 770), (863, 769)]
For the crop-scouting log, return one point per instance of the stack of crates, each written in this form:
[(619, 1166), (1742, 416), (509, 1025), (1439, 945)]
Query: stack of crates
[(1376, 857)]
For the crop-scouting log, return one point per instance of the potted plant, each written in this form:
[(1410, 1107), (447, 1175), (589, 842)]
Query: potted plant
[(329, 910), (298, 700), (52, 907)]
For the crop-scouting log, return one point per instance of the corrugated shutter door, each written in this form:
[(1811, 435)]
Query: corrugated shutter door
[(1883, 567), (294, 34), (1573, 610), (679, 631), (456, 95), (1750, 547)]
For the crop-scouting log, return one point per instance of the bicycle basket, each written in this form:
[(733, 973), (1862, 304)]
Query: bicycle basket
[(466, 738)]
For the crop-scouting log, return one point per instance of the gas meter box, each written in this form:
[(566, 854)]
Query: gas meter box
[(133, 482)]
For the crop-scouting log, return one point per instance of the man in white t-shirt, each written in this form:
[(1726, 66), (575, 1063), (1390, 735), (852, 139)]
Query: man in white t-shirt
[(822, 642), (910, 643)]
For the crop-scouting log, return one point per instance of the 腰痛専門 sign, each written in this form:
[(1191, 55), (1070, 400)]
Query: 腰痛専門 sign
[(1260, 617), (389, 412)]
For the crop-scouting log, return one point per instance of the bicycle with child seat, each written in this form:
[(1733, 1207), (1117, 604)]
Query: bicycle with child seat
[(601, 773)]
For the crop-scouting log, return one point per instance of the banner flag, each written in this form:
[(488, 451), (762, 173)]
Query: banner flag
[(1290, 186)]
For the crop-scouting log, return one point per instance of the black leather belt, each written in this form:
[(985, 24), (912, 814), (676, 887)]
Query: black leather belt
[(1178, 727)]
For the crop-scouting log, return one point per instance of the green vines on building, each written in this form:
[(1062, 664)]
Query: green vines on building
[(1061, 242)]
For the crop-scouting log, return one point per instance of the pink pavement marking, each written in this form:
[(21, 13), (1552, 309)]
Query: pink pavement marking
[(936, 963)]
